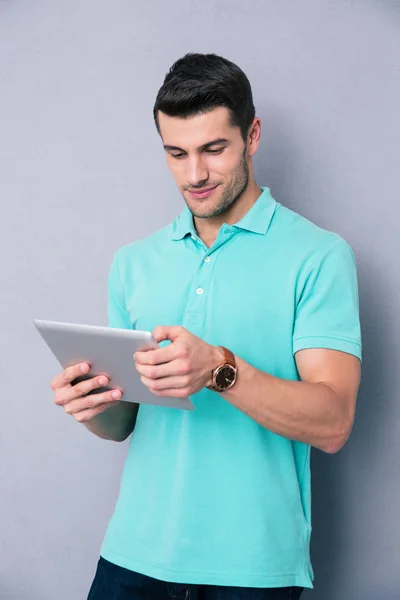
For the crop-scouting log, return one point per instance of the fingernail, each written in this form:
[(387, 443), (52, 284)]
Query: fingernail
[(116, 395), (84, 369), (102, 381)]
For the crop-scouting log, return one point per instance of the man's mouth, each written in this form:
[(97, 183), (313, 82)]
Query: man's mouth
[(203, 193)]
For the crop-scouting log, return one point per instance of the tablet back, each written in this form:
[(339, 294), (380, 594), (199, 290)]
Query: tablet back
[(109, 351)]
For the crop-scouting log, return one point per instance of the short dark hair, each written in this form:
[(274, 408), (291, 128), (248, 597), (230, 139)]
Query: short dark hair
[(198, 83)]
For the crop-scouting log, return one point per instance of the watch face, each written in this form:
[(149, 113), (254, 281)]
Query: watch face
[(225, 377)]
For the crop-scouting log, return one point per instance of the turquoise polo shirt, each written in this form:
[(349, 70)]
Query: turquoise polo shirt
[(209, 496)]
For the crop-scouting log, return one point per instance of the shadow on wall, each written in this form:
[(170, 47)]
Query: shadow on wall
[(335, 493), (393, 5), (333, 518)]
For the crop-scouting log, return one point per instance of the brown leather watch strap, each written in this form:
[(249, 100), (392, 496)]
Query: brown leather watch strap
[(229, 356)]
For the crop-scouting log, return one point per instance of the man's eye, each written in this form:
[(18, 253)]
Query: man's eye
[(215, 151), (177, 155)]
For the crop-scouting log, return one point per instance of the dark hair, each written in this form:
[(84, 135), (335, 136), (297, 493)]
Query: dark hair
[(198, 83)]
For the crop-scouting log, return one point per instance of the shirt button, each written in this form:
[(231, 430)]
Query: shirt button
[(226, 230), (199, 291), (207, 259)]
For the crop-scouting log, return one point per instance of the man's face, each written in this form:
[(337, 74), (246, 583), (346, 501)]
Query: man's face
[(205, 152)]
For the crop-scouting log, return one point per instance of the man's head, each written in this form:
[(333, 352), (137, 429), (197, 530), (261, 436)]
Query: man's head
[(205, 116)]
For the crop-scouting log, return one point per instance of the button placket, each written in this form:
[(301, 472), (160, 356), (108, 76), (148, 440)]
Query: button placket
[(195, 308), (196, 305)]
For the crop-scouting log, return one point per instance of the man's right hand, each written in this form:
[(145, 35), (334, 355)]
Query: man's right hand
[(72, 397)]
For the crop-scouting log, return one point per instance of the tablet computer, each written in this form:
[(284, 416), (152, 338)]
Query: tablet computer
[(109, 351)]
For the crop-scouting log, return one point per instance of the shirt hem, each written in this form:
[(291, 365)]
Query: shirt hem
[(258, 580)]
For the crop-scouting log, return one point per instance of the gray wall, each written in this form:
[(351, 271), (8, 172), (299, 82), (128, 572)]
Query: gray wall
[(82, 172)]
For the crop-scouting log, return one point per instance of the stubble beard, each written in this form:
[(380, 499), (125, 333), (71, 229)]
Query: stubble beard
[(229, 196)]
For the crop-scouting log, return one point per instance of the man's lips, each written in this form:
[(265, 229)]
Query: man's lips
[(203, 193)]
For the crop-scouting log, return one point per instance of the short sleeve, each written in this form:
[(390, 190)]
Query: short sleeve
[(327, 313), (117, 314)]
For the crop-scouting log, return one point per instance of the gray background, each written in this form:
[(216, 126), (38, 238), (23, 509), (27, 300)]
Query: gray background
[(82, 172)]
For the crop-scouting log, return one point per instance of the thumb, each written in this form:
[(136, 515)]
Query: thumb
[(166, 332)]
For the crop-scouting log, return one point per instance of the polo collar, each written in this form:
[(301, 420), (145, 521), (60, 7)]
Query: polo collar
[(257, 219)]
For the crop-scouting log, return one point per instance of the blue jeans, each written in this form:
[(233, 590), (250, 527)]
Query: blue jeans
[(112, 582)]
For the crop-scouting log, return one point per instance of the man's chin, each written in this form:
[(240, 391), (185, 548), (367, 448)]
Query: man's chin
[(206, 214), (198, 213)]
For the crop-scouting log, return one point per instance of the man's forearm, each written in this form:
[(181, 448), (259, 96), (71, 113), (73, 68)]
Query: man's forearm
[(307, 412), (116, 423)]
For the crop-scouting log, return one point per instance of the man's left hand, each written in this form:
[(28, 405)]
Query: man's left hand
[(181, 368)]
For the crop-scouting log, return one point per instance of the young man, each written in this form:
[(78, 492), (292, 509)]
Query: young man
[(260, 307)]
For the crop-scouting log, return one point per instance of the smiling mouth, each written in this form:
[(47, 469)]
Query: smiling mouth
[(203, 192)]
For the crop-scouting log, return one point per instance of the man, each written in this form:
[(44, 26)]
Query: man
[(256, 312)]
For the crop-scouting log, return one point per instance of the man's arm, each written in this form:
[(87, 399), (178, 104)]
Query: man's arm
[(318, 410)]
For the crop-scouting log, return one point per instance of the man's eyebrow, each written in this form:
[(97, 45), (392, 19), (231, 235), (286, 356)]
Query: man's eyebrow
[(203, 147), (214, 143)]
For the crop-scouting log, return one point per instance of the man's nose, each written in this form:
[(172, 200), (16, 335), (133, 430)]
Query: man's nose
[(197, 174)]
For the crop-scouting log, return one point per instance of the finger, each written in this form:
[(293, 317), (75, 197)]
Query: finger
[(167, 369), (78, 390), (167, 332), (165, 383), (158, 356), (94, 401), (69, 374), (181, 392), (87, 415)]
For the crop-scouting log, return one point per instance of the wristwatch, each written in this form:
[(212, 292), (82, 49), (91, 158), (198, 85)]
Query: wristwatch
[(224, 376)]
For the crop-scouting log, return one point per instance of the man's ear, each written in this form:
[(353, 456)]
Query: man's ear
[(254, 136)]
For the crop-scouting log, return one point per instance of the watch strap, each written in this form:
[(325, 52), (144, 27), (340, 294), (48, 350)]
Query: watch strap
[(229, 356)]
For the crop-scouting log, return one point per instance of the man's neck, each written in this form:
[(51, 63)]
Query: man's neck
[(208, 228)]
